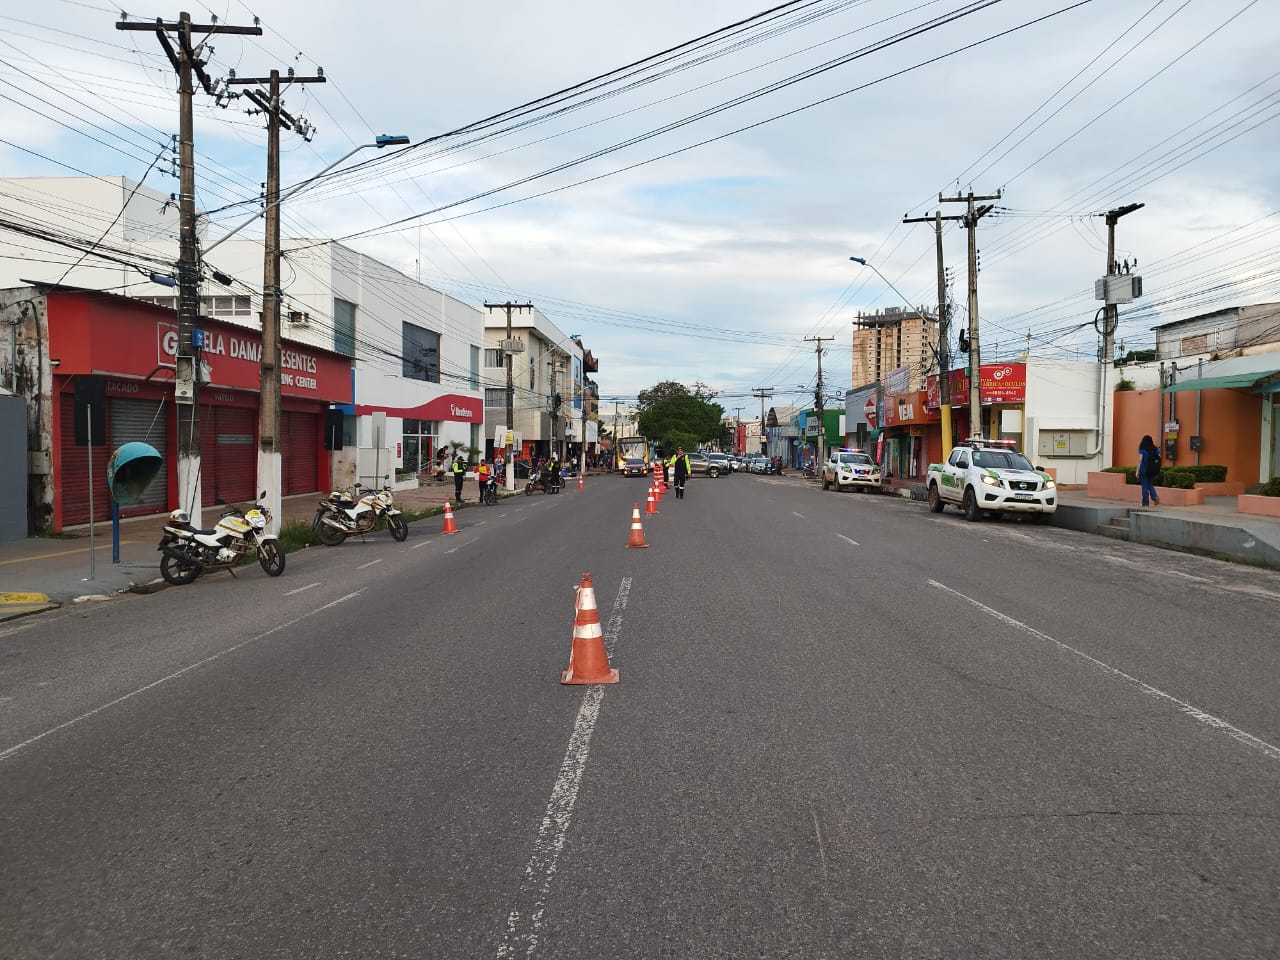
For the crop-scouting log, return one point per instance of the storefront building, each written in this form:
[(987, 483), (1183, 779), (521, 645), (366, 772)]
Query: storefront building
[(128, 348)]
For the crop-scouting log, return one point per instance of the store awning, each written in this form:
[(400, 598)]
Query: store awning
[(1265, 381)]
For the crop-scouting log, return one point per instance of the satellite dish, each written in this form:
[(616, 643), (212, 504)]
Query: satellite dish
[(130, 471)]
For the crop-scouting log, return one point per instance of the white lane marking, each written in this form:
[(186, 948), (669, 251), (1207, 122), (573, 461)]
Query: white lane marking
[(800, 515), (5, 755), (461, 545), (301, 589), (369, 564), (846, 539), (1186, 576), (1249, 740), (525, 921), (421, 543)]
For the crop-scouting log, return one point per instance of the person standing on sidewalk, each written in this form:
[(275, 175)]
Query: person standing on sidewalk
[(482, 477), (680, 467), (459, 474), (1148, 469)]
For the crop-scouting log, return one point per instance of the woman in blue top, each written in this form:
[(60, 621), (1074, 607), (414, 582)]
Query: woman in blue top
[(1147, 472)]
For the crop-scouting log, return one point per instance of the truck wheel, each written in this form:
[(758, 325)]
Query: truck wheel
[(971, 511), (936, 504)]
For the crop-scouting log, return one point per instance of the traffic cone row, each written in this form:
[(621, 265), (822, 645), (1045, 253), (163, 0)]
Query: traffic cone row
[(588, 658)]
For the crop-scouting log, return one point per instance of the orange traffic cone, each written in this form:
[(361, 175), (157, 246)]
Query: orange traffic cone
[(637, 529), (651, 506), (588, 659), (449, 525), (579, 481)]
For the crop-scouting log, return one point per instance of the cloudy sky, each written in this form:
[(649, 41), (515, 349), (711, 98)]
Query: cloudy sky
[(691, 215)]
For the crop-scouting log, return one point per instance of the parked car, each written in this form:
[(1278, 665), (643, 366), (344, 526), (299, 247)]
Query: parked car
[(850, 468), (990, 477), (701, 464), (723, 460)]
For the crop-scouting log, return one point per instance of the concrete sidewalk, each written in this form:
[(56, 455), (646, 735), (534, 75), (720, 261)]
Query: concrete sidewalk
[(40, 573)]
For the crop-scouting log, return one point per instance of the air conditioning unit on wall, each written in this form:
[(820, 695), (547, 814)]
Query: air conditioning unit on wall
[(299, 318)]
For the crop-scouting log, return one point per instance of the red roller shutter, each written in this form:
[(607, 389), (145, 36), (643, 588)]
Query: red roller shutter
[(228, 455), (299, 437), (73, 473)]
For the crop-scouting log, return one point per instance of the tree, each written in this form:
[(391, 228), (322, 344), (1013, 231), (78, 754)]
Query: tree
[(670, 413)]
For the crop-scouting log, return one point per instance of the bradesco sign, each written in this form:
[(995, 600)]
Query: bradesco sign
[(231, 358)]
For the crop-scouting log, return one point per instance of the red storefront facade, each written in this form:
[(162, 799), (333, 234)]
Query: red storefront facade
[(131, 346)]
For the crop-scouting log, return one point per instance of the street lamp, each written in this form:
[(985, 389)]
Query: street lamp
[(269, 476), (382, 140)]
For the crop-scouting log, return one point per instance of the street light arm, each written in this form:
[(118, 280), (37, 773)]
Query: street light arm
[(382, 141)]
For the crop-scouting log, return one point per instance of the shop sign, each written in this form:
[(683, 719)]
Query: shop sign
[(1000, 383)]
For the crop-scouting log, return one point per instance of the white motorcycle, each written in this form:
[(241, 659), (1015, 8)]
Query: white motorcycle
[(340, 515), (188, 552)]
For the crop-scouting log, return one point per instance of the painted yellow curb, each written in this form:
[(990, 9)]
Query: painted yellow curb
[(17, 604)]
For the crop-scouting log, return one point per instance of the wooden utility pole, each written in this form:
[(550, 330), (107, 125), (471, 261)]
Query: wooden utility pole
[(818, 402), (510, 346), (971, 218), (188, 63), (944, 332), (270, 473)]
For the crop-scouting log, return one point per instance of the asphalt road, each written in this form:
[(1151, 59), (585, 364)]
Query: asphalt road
[(845, 727)]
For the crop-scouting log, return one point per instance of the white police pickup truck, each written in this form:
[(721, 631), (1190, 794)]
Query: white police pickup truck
[(850, 468), (990, 476)]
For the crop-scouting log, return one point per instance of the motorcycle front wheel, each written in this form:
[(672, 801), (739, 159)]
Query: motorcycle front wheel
[(528, 489), (271, 557), (330, 536), (398, 527), (177, 572)]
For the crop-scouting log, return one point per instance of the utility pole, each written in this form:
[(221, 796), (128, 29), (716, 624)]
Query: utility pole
[(510, 346), (270, 474), (820, 442), (188, 63), (737, 425), (970, 221), (944, 332), (1110, 318), (762, 393)]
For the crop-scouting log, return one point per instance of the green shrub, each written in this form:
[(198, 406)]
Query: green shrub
[(1180, 478), (1116, 469), (1206, 473), (1271, 488)]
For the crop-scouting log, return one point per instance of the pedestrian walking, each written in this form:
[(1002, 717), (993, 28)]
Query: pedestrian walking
[(1148, 469), (680, 469), (459, 474)]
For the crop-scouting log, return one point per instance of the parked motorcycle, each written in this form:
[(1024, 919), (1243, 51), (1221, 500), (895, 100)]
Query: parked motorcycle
[(542, 480), (188, 552), (489, 490), (341, 515)]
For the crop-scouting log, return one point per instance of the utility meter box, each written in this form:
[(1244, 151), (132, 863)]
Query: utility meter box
[(1064, 443), (1117, 288)]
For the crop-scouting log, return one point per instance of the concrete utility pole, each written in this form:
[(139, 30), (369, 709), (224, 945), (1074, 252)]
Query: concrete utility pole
[(270, 474), (944, 332), (1110, 318), (187, 63), (737, 425), (510, 346), (762, 393), (820, 442), (970, 221)]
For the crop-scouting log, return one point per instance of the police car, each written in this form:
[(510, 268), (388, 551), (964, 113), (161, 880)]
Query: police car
[(850, 468), (991, 476)]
